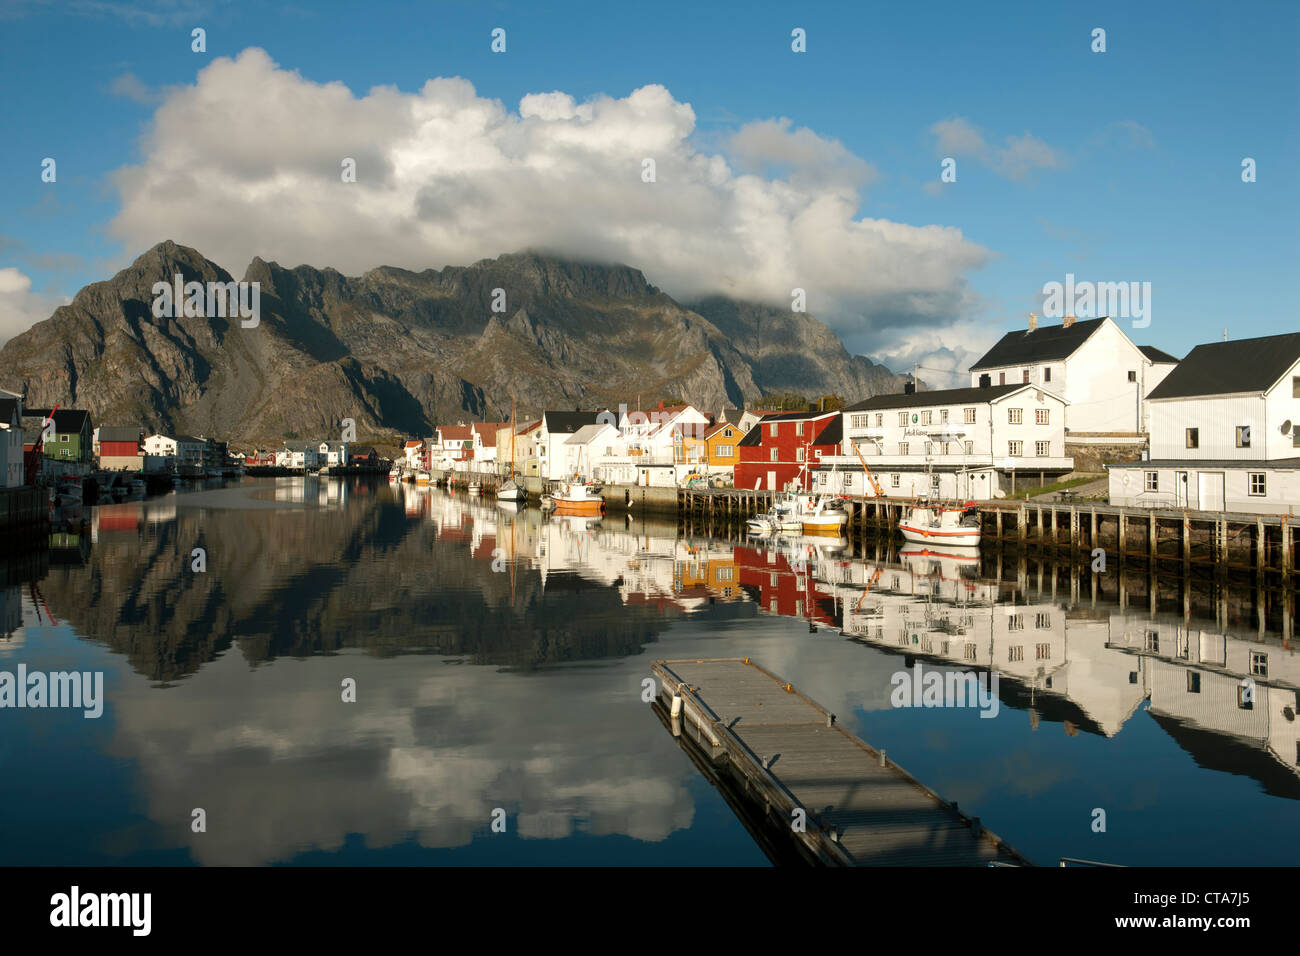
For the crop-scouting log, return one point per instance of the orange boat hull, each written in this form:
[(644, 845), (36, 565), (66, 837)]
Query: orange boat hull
[(579, 507)]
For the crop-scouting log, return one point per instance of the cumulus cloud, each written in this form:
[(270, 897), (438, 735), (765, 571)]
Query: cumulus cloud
[(247, 161), (20, 307), (1016, 159)]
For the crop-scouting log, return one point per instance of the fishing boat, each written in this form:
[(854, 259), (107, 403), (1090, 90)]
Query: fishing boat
[(578, 498), (474, 488), (824, 516), (937, 524), (782, 516), (510, 490), (421, 477)]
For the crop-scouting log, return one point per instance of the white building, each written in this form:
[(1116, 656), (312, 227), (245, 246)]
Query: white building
[(978, 443), (186, 451), (1091, 364), (555, 430), (301, 454), (1224, 432), (11, 440)]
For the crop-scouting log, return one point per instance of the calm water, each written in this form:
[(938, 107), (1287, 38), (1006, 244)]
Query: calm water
[(498, 661)]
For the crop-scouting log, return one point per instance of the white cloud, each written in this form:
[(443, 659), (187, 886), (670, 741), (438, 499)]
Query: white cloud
[(131, 87), (247, 162), (20, 307), (1021, 155)]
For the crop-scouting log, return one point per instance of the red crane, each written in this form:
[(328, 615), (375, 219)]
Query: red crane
[(32, 459)]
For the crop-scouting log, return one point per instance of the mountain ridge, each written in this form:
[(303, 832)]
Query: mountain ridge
[(398, 350)]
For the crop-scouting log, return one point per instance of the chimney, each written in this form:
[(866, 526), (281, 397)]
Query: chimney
[(986, 380), (1069, 321), (909, 388), (1033, 321)]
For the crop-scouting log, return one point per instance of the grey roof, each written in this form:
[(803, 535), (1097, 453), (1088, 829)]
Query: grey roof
[(1192, 464), (120, 433), (585, 434), (566, 423), (1159, 356), (1045, 344), (1222, 368), (755, 435), (947, 396)]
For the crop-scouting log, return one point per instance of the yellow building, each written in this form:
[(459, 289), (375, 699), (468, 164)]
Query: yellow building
[(721, 440)]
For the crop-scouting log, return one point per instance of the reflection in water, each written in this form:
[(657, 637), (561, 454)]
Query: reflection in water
[(227, 694)]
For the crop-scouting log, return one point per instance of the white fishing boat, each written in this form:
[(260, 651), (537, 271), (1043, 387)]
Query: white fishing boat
[(823, 516), (578, 498), (783, 516), (474, 488), (940, 525)]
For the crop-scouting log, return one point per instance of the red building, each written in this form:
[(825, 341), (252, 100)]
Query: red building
[(782, 448)]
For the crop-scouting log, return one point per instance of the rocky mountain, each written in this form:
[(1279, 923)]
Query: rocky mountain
[(399, 351)]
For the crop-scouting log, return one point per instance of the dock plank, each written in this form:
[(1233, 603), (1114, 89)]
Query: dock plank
[(862, 811)]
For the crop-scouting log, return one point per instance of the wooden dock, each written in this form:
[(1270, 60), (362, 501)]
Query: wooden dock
[(787, 754), (1263, 546)]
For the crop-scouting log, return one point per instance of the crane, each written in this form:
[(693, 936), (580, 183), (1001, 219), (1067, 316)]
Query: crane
[(880, 492), (32, 459)]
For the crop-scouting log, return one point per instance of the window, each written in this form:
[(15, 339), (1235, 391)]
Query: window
[(1193, 438), (1042, 652), (1151, 480), (1243, 436), (798, 428), (934, 482), (1042, 416), (1015, 448), (774, 453), (817, 453), (1295, 436), (1015, 622), (859, 421), (1153, 641), (947, 448), (724, 451), (1132, 376), (970, 652), (1295, 386), (969, 415), (926, 417), (1015, 416), (1193, 682), (1016, 653), (902, 419), (1042, 448), (771, 430), (902, 448), (893, 481), (1043, 620), (943, 415), (1002, 378), (880, 419), (1024, 376), (1047, 374), (929, 448), (1258, 664), (1258, 485), (970, 448), (63, 438), (798, 454)]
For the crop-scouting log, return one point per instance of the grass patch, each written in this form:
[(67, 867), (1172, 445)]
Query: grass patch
[(1049, 489)]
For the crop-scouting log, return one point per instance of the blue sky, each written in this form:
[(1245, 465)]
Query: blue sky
[(1115, 166)]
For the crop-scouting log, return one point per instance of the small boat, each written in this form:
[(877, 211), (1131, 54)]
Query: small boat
[(474, 488), (421, 477), (783, 516), (394, 475), (824, 517), (941, 525), (578, 498), (510, 491)]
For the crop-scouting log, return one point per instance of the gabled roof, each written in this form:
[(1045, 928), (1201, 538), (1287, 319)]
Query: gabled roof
[(119, 433), (1224, 368), (586, 434), (947, 396), (719, 426), (566, 423), (66, 420), (9, 408), (455, 433), (414, 443), (1156, 355), (1049, 343), (755, 435), (488, 432), (832, 434)]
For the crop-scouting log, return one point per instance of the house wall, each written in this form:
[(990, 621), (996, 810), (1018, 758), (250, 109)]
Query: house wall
[(1282, 488), (1217, 418), (756, 462)]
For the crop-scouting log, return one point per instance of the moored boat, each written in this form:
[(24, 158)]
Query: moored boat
[(824, 517), (510, 491), (473, 488), (578, 498), (421, 477), (941, 525)]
